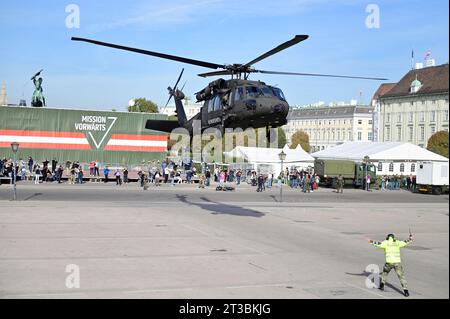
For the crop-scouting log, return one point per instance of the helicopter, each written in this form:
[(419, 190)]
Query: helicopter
[(234, 103)]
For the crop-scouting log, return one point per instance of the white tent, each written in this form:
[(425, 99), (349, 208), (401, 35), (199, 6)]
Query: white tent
[(268, 157), (401, 158), (379, 151)]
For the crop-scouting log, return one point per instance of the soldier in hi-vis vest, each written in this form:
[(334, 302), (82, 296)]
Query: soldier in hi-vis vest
[(392, 248)]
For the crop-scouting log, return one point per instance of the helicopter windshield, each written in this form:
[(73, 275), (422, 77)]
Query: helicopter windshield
[(252, 91), (278, 93)]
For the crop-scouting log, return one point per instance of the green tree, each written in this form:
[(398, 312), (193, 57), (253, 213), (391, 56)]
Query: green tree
[(301, 138), (281, 138), (143, 105), (438, 143)]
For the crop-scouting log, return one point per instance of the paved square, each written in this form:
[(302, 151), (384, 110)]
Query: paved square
[(185, 242)]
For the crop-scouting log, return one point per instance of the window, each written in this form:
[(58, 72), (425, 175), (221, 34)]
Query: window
[(411, 117), (380, 167), (339, 135), (216, 102), (333, 135), (370, 121), (433, 116), (411, 133), (388, 133), (402, 168), (446, 115), (413, 168), (432, 130), (399, 133), (350, 135), (360, 122), (422, 117), (252, 91), (399, 117), (210, 104), (238, 94), (388, 117), (422, 133), (278, 93), (369, 136), (391, 167), (359, 136)]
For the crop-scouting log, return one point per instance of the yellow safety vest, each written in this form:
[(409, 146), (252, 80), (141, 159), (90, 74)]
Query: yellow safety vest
[(392, 249)]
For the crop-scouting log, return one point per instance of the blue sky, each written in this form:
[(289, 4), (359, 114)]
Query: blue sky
[(34, 36)]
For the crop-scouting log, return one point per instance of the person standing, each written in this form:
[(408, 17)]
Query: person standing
[(340, 184), (30, 164), (238, 177), (106, 173), (208, 177), (117, 176), (392, 248), (368, 183), (125, 176)]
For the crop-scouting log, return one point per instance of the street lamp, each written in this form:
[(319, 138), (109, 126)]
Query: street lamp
[(15, 148), (366, 161), (282, 157)]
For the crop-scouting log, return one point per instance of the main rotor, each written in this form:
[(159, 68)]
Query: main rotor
[(236, 70)]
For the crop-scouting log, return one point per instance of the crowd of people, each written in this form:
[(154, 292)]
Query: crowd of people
[(168, 172)]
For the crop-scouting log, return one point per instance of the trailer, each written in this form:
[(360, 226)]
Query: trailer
[(353, 173), (432, 177)]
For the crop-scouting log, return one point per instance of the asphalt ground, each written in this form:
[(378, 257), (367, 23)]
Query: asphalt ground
[(186, 242)]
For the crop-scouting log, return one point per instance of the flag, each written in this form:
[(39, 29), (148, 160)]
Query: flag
[(427, 55), (412, 54)]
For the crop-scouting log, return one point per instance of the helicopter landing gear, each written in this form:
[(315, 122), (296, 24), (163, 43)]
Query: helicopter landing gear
[(268, 133)]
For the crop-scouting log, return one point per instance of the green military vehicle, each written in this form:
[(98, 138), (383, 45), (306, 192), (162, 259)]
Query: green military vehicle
[(353, 173)]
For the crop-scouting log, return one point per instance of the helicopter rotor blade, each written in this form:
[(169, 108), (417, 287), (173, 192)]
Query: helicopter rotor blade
[(151, 53), (224, 72), (321, 75), (174, 88), (283, 46)]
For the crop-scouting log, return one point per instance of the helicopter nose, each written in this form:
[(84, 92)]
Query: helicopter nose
[(279, 108)]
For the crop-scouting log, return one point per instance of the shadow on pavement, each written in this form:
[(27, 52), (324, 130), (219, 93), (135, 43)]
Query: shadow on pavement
[(220, 208), (32, 196), (367, 274)]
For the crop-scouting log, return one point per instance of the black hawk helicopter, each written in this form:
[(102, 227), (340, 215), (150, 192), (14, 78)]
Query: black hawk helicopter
[(234, 103)]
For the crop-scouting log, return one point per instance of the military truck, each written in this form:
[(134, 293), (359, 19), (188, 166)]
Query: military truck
[(432, 177), (353, 173)]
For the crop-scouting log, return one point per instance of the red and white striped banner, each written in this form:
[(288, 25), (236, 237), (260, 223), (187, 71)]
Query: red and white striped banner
[(79, 141)]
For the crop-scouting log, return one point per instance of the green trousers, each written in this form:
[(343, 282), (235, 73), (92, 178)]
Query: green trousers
[(398, 270)]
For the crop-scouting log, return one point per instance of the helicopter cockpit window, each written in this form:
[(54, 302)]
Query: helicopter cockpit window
[(216, 102), (210, 105), (278, 93), (267, 91), (238, 94), (252, 91)]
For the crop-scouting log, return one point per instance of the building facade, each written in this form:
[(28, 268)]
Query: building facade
[(331, 126), (416, 107), (191, 109)]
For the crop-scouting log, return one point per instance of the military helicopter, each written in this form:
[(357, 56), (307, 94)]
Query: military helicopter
[(234, 103)]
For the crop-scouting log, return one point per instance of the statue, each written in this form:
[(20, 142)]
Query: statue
[(37, 99)]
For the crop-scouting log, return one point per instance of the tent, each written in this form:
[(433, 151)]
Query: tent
[(267, 159), (400, 157)]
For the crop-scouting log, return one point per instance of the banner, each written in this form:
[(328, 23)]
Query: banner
[(80, 135)]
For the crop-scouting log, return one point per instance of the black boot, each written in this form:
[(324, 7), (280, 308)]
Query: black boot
[(406, 292), (381, 286)]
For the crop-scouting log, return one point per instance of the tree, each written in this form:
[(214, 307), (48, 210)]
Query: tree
[(281, 138), (301, 138), (438, 143), (143, 105)]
